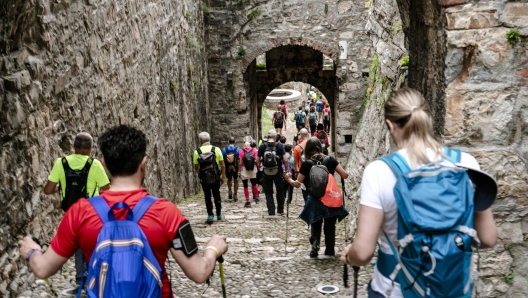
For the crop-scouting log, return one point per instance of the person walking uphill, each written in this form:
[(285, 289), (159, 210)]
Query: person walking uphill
[(209, 164), (232, 161), (402, 191), (155, 225), (248, 169), (273, 156), (279, 120), (316, 210), (77, 176)]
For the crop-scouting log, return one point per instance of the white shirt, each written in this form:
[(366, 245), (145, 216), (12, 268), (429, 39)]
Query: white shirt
[(377, 192)]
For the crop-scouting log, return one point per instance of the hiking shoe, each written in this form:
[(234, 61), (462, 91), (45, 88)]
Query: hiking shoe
[(219, 216), (210, 219), (247, 205), (71, 292), (257, 200), (315, 249), (235, 198), (230, 195)]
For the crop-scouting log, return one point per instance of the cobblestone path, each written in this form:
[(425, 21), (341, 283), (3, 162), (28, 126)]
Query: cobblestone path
[(258, 263)]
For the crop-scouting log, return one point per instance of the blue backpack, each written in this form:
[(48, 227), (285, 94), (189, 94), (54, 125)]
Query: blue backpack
[(432, 256), (123, 264), (299, 119), (319, 106)]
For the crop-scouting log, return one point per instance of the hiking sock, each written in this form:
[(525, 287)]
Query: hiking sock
[(246, 193)]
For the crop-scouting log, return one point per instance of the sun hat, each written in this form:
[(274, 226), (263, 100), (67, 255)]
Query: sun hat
[(485, 187)]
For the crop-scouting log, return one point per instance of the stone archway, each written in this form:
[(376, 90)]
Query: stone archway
[(291, 60)]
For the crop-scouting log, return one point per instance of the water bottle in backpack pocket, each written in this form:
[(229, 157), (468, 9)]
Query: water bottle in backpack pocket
[(209, 172), (432, 256), (122, 264)]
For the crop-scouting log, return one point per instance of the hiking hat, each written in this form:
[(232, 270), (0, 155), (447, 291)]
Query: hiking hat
[(272, 133), (485, 188)]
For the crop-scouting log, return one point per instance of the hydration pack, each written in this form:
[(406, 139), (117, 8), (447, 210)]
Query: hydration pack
[(299, 119), (122, 263), (76, 181), (326, 115), (249, 160), (270, 163), (278, 118), (432, 256), (312, 118), (319, 106), (209, 172)]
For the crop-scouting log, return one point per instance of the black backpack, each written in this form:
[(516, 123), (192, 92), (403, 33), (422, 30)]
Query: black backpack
[(75, 183), (318, 177), (249, 160), (209, 172), (278, 119), (271, 166)]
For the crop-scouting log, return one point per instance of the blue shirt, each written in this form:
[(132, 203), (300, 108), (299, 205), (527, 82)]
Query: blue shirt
[(230, 148)]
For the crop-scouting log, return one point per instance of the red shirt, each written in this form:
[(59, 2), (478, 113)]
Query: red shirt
[(81, 225), (242, 153), (329, 112)]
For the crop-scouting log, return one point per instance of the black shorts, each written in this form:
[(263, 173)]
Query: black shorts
[(277, 125), (231, 175), (300, 126)]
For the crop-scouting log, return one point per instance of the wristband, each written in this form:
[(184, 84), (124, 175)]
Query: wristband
[(31, 252), (213, 248)]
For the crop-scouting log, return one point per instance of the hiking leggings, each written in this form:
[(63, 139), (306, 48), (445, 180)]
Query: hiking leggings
[(215, 189), (329, 232), (326, 125), (253, 182), (312, 129)]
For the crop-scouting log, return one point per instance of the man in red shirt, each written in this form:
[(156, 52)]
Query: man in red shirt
[(123, 149)]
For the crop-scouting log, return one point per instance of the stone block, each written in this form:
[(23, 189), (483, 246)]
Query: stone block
[(17, 81), (344, 6), (494, 263), (508, 169), (509, 232), (451, 2), (478, 117), (472, 20), (515, 14)]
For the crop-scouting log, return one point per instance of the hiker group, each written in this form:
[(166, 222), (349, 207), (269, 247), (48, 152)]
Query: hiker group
[(426, 205)]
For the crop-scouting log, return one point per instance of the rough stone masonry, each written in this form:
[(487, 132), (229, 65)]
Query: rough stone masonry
[(72, 66)]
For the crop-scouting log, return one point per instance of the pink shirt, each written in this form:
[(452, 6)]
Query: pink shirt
[(241, 154)]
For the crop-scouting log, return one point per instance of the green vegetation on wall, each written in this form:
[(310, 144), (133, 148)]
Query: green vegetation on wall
[(241, 53), (513, 36), (261, 65)]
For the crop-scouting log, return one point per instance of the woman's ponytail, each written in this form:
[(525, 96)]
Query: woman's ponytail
[(407, 109)]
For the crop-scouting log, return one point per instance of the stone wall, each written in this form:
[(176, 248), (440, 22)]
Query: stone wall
[(487, 100), (72, 66), (256, 27)]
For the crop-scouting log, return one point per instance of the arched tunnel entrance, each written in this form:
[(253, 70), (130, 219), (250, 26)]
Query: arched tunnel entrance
[(286, 64)]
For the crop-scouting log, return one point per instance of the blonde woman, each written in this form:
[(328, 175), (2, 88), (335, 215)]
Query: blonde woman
[(409, 122)]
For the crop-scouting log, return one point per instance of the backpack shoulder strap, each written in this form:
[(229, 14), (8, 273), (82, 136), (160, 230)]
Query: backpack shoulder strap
[(396, 163), (101, 207), (213, 149), (454, 155), (65, 164), (199, 151), (88, 164), (142, 206)]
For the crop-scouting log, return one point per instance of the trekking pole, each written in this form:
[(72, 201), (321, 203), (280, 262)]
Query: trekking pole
[(355, 268), (222, 279), (287, 215), (52, 289)]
